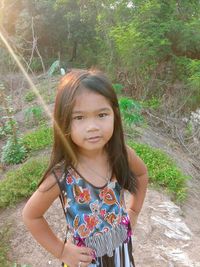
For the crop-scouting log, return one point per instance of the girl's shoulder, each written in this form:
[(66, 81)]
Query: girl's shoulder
[(136, 164), (53, 178)]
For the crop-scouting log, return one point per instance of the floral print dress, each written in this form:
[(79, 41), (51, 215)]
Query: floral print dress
[(96, 218)]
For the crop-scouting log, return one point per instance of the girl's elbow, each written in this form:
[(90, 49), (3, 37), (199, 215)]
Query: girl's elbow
[(25, 215), (143, 179)]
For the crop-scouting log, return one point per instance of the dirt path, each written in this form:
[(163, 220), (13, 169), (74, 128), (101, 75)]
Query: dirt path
[(166, 235)]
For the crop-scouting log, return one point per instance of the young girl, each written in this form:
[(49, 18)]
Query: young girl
[(90, 169)]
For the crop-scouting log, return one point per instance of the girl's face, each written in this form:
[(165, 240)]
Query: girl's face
[(92, 122)]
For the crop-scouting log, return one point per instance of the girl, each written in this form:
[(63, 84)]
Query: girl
[(89, 170)]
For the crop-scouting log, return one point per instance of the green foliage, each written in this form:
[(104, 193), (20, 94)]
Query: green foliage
[(6, 129), (131, 111), (194, 82), (152, 41), (118, 88), (30, 96), (163, 171), (152, 103), (14, 151), (38, 139), (5, 233), (22, 182), (36, 65), (33, 115)]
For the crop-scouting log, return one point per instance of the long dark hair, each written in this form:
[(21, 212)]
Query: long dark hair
[(63, 148)]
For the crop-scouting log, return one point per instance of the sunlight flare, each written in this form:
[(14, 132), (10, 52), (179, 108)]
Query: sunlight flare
[(35, 90)]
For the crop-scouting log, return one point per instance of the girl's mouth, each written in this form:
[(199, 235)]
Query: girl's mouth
[(94, 139)]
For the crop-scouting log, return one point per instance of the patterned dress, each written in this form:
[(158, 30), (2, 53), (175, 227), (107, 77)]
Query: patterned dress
[(96, 218)]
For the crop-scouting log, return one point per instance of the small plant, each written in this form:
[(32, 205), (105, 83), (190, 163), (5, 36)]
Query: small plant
[(8, 125), (33, 115), (131, 111), (38, 139), (6, 128), (30, 96), (14, 151), (153, 103)]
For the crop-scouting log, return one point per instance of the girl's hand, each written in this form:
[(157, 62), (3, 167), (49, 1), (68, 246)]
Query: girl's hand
[(72, 255), (133, 218)]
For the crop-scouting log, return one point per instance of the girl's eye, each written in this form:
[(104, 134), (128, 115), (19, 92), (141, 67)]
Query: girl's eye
[(78, 118), (101, 115)]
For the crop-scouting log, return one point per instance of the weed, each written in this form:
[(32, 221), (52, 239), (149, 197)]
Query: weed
[(21, 182), (30, 96)]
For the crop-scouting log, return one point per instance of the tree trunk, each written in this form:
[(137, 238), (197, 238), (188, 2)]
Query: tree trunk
[(74, 51)]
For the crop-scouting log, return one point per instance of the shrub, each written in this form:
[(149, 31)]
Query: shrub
[(131, 111), (14, 151), (162, 170)]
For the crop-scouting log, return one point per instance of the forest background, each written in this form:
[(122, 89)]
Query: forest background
[(155, 44)]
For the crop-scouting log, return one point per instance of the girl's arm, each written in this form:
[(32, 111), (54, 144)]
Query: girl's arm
[(136, 200), (33, 218)]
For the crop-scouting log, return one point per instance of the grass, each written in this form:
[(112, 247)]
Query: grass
[(22, 182), (38, 139), (5, 234), (163, 171)]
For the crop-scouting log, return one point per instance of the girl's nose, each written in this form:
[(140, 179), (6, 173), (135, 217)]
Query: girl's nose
[(92, 126)]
